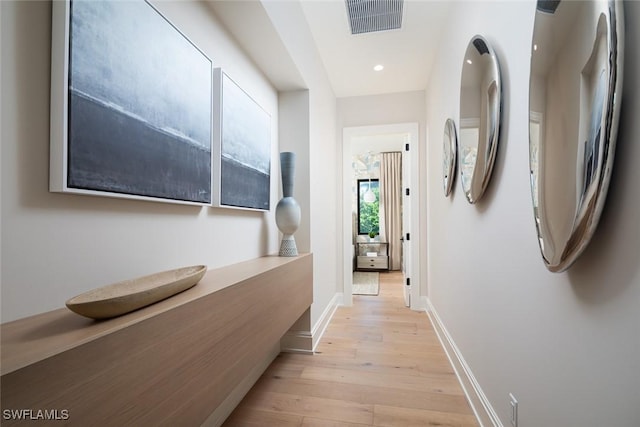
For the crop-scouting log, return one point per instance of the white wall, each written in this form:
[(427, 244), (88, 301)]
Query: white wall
[(289, 21), (294, 136), (403, 107), (567, 344), (55, 246)]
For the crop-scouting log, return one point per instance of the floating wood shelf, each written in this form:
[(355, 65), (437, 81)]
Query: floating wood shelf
[(177, 359)]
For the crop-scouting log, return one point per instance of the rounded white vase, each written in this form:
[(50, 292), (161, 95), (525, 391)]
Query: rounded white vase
[(288, 210)]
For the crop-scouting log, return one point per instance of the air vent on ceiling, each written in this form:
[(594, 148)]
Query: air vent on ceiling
[(368, 16)]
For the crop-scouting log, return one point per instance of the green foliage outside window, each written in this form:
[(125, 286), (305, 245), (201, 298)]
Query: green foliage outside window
[(368, 213)]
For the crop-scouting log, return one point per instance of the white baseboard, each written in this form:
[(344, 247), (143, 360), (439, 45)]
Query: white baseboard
[(225, 409), (307, 341), (477, 399), (325, 319)]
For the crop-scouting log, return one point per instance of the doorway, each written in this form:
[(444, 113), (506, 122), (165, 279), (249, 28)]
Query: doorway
[(375, 139)]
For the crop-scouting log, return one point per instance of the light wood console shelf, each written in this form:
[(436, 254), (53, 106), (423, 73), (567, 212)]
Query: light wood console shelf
[(172, 363)]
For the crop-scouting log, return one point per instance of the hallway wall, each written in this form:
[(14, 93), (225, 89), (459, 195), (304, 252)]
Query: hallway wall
[(55, 246), (321, 148), (565, 344)]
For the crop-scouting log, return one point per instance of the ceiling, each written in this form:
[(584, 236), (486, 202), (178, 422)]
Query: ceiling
[(407, 54)]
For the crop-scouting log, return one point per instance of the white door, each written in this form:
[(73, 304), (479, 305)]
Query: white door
[(406, 221)]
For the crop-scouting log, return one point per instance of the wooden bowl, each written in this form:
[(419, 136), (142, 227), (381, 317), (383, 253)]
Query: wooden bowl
[(129, 295)]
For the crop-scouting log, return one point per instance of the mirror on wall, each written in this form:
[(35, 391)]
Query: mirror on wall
[(449, 149), (574, 104), (480, 110)]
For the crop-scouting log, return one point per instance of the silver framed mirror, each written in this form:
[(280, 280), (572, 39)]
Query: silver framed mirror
[(480, 112), (574, 106), (449, 150)]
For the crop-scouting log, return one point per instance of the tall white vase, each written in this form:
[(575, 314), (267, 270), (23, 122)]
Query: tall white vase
[(288, 209)]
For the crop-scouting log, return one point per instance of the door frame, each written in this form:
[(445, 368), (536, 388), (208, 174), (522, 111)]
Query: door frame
[(412, 129)]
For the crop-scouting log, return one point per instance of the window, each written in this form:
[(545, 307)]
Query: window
[(368, 212)]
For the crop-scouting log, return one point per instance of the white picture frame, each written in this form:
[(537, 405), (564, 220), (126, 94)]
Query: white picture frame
[(131, 105), (242, 148)]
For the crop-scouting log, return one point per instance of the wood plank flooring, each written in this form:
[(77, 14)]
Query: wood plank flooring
[(378, 364)]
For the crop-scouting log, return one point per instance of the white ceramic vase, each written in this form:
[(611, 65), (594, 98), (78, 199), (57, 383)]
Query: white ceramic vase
[(288, 209)]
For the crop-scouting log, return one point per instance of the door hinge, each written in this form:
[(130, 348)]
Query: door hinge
[(408, 236), (407, 191), (406, 147), (408, 281)]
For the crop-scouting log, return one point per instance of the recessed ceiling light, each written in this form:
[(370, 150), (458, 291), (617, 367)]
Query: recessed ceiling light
[(469, 61), (379, 67), (535, 47)]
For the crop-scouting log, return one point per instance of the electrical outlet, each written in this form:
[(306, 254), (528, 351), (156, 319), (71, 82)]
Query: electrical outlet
[(514, 410)]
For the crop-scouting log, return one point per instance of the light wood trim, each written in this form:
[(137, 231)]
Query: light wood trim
[(177, 359)]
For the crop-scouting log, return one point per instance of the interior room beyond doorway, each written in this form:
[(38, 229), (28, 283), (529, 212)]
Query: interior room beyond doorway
[(358, 143), (376, 226)]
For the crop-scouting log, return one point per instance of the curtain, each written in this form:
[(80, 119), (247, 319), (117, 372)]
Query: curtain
[(391, 206)]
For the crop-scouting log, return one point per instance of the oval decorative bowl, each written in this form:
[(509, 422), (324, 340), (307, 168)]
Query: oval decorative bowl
[(129, 295)]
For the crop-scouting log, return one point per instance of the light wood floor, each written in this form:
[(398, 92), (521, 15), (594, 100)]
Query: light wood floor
[(378, 364)]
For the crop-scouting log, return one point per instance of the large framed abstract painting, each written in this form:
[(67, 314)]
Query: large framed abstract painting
[(242, 148), (132, 105)]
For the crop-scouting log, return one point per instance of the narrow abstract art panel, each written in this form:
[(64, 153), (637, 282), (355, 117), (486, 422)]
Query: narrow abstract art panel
[(131, 105), (242, 148)]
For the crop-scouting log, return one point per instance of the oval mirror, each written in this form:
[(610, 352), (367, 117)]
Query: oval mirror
[(574, 102), (449, 149), (480, 108)]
